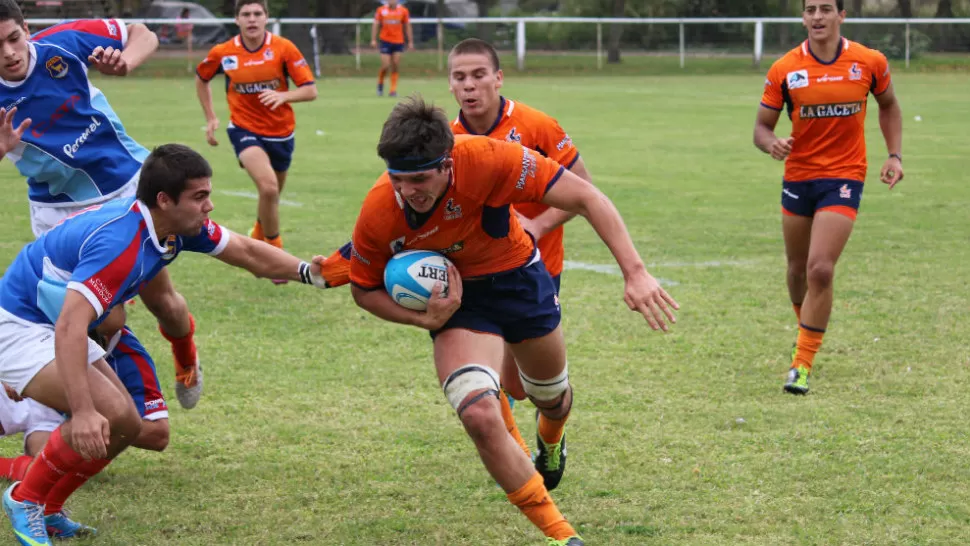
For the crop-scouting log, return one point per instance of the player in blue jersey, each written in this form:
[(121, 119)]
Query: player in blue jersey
[(66, 282), (74, 151)]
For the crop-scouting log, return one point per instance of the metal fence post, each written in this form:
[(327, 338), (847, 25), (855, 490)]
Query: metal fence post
[(907, 44), (520, 44), (682, 48), (759, 38), (357, 45), (599, 45), (441, 45)]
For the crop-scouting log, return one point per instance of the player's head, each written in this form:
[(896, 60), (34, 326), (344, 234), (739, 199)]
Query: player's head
[(391, 3), (251, 18), (823, 18), (416, 143), (175, 182), (474, 76), (13, 42)]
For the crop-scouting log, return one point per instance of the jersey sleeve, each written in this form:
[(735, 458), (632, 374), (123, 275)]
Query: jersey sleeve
[(81, 37), (103, 273), (520, 175), (555, 142), (378, 18), (406, 18), (296, 65), (211, 66), (211, 240), (368, 255), (881, 78), (771, 98)]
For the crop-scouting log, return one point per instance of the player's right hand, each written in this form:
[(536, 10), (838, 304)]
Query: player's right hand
[(90, 434), (9, 135), (645, 295), (210, 131), (781, 147), (441, 306), (373, 43)]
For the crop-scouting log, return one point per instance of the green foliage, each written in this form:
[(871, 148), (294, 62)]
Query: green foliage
[(893, 44)]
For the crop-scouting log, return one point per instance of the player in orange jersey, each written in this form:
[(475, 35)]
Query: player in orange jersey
[(257, 64), (452, 194), (394, 23), (823, 84)]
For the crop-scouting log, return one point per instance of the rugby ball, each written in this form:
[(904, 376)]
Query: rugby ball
[(410, 276)]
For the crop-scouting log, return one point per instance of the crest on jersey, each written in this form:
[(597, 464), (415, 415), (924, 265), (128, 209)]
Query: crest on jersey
[(230, 62), (855, 73), (397, 245), (452, 211), (57, 67), (797, 79), (268, 54), (513, 136), (170, 248)]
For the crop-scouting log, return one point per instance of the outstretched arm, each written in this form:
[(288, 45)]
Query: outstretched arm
[(266, 261)]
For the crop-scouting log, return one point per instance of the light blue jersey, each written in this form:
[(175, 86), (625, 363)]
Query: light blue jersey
[(76, 151)]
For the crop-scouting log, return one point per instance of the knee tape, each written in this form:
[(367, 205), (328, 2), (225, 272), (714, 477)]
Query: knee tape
[(468, 379), (546, 390)]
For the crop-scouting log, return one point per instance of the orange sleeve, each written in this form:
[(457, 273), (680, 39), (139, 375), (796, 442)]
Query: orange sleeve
[(296, 65), (377, 16), (518, 174), (552, 138), (211, 65), (369, 255), (407, 16), (880, 73), (771, 98)]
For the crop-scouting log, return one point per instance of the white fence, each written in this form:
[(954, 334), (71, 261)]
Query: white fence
[(521, 22)]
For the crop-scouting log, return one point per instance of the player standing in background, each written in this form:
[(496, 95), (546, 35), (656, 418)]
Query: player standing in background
[(453, 195), (73, 149), (824, 85), (394, 23), (256, 64)]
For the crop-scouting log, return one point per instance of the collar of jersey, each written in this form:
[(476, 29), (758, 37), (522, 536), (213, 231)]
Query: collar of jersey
[(150, 225), (498, 119), (31, 64), (838, 52)]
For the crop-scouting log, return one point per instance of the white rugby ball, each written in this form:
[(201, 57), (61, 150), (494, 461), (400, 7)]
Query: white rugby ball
[(410, 276)]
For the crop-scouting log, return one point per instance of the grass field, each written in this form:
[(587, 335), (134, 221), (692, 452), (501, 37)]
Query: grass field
[(322, 425)]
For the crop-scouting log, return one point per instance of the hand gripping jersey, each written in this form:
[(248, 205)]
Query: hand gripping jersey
[(537, 131), (249, 73), (826, 102), (472, 223), (105, 252), (76, 152), (392, 23)]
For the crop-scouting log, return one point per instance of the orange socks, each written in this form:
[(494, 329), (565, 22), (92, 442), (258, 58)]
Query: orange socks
[(275, 241), (183, 348), (551, 430), (534, 501), (808, 343), (257, 231), (393, 82), (380, 76), (510, 422)]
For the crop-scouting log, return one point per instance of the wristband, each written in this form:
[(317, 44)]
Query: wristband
[(304, 270), (897, 156)]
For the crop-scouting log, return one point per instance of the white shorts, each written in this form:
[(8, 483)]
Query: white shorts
[(44, 217), (27, 417), (26, 347)]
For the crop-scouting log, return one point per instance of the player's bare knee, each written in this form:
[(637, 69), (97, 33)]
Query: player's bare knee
[(553, 396), (269, 189), (797, 269), (472, 390), (154, 435), (821, 274)]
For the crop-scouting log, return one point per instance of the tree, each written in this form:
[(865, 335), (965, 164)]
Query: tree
[(616, 33), (905, 9), (485, 31)]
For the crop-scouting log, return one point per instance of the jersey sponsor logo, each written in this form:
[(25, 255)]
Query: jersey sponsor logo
[(452, 211), (112, 28), (453, 248), (298, 64), (255, 88), (230, 62), (789, 194), (566, 141), (836, 110), (797, 79), (528, 169), (253, 62), (100, 290), (420, 236), (845, 192), (855, 73), (827, 78), (57, 67), (14, 103), (154, 404), (40, 128), (71, 149), (513, 136)]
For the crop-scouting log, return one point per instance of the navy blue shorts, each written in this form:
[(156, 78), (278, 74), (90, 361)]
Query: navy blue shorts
[(279, 149), (518, 305), (390, 48), (136, 370), (830, 194)]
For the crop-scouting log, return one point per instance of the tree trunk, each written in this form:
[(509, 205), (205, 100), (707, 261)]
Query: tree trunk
[(856, 8), (944, 8), (784, 37), (905, 9), (485, 31), (228, 8), (300, 34), (616, 32)]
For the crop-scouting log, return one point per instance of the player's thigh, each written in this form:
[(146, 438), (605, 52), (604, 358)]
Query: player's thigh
[(830, 233), (543, 357), (27, 354), (257, 163), (396, 59), (458, 347), (511, 381), (111, 402), (797, 232)]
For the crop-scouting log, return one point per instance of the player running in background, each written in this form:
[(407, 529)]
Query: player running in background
[(394, 23), (65, 283), (257, 65), (823, 84), (61, 133), (453, 195)]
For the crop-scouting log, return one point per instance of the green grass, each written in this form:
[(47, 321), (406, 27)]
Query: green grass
[(323, 425)]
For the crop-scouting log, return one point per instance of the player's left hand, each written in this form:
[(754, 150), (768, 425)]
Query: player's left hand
[(410, 47), (272, 99), (109, 61), (645, 295), (316, 273), (892, 172)]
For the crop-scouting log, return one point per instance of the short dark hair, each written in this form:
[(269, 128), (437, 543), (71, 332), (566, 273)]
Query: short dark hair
[(474, 46), (241, 3), (9, 9), (168, 170), (415, 129), (839, 5)]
